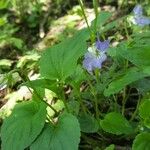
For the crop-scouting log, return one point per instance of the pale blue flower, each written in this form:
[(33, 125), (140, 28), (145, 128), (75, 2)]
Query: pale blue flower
[(142, 21), (138, 11), (102, 46), (139, 19), (95, 56)]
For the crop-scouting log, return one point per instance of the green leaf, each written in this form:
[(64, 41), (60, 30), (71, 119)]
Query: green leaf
[(131, 75), (142, 85), (4, 4), (138, 55), (110, 147), (110, 26), (43, 83), (102, 18), (115, 123), (16, 42), (145, 113), (25, 123), (65, 135), (144, 109), (141, 142), (60, 61), (3, 20), (88, 123), (77, 78)]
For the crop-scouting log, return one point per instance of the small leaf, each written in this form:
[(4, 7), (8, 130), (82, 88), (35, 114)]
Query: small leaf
[(65, 135), (144, 109), (115, 123), (88, 123), (131, 75), (110, 147), (25, 123), (145, 113), (141, 142)]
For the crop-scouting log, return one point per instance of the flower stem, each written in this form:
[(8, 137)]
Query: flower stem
[(63, 96), (95, 98), (135, 112), (85, 18), (95, 5), (23, 77), (124, 101)]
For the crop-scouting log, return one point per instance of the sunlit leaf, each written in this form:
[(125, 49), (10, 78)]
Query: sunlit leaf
[(60, 61)]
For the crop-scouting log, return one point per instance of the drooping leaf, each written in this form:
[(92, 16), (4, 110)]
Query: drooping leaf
[(88, 123), (131, 75), (60, 61), (43, 83), (25, 123), (115, 123), (142, 85), (65, 135), (141, 142)]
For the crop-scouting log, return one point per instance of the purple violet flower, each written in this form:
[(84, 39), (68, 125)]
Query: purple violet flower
[(142, 21), (95, 56), (138, 11), (139, 19)]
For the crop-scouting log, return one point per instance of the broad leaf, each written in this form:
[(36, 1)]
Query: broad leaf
[(88, 123), (65, 135), (144, 109), (25, 123), (145, 113), (102, 18), (142, 85), (115, 123), (131, 75), (141, 142), (138, 55), (60, 61), (44, 84)]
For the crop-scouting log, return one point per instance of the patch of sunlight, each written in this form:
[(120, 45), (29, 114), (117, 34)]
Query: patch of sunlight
[(22, 94)]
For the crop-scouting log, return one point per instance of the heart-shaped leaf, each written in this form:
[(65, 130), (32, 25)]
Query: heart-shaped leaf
[(65, 135), (115, 123), (25, 123), (60, 61), (88, 123)]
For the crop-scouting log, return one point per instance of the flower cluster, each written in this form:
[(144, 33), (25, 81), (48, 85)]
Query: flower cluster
[(95, 56), (139, 18)]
